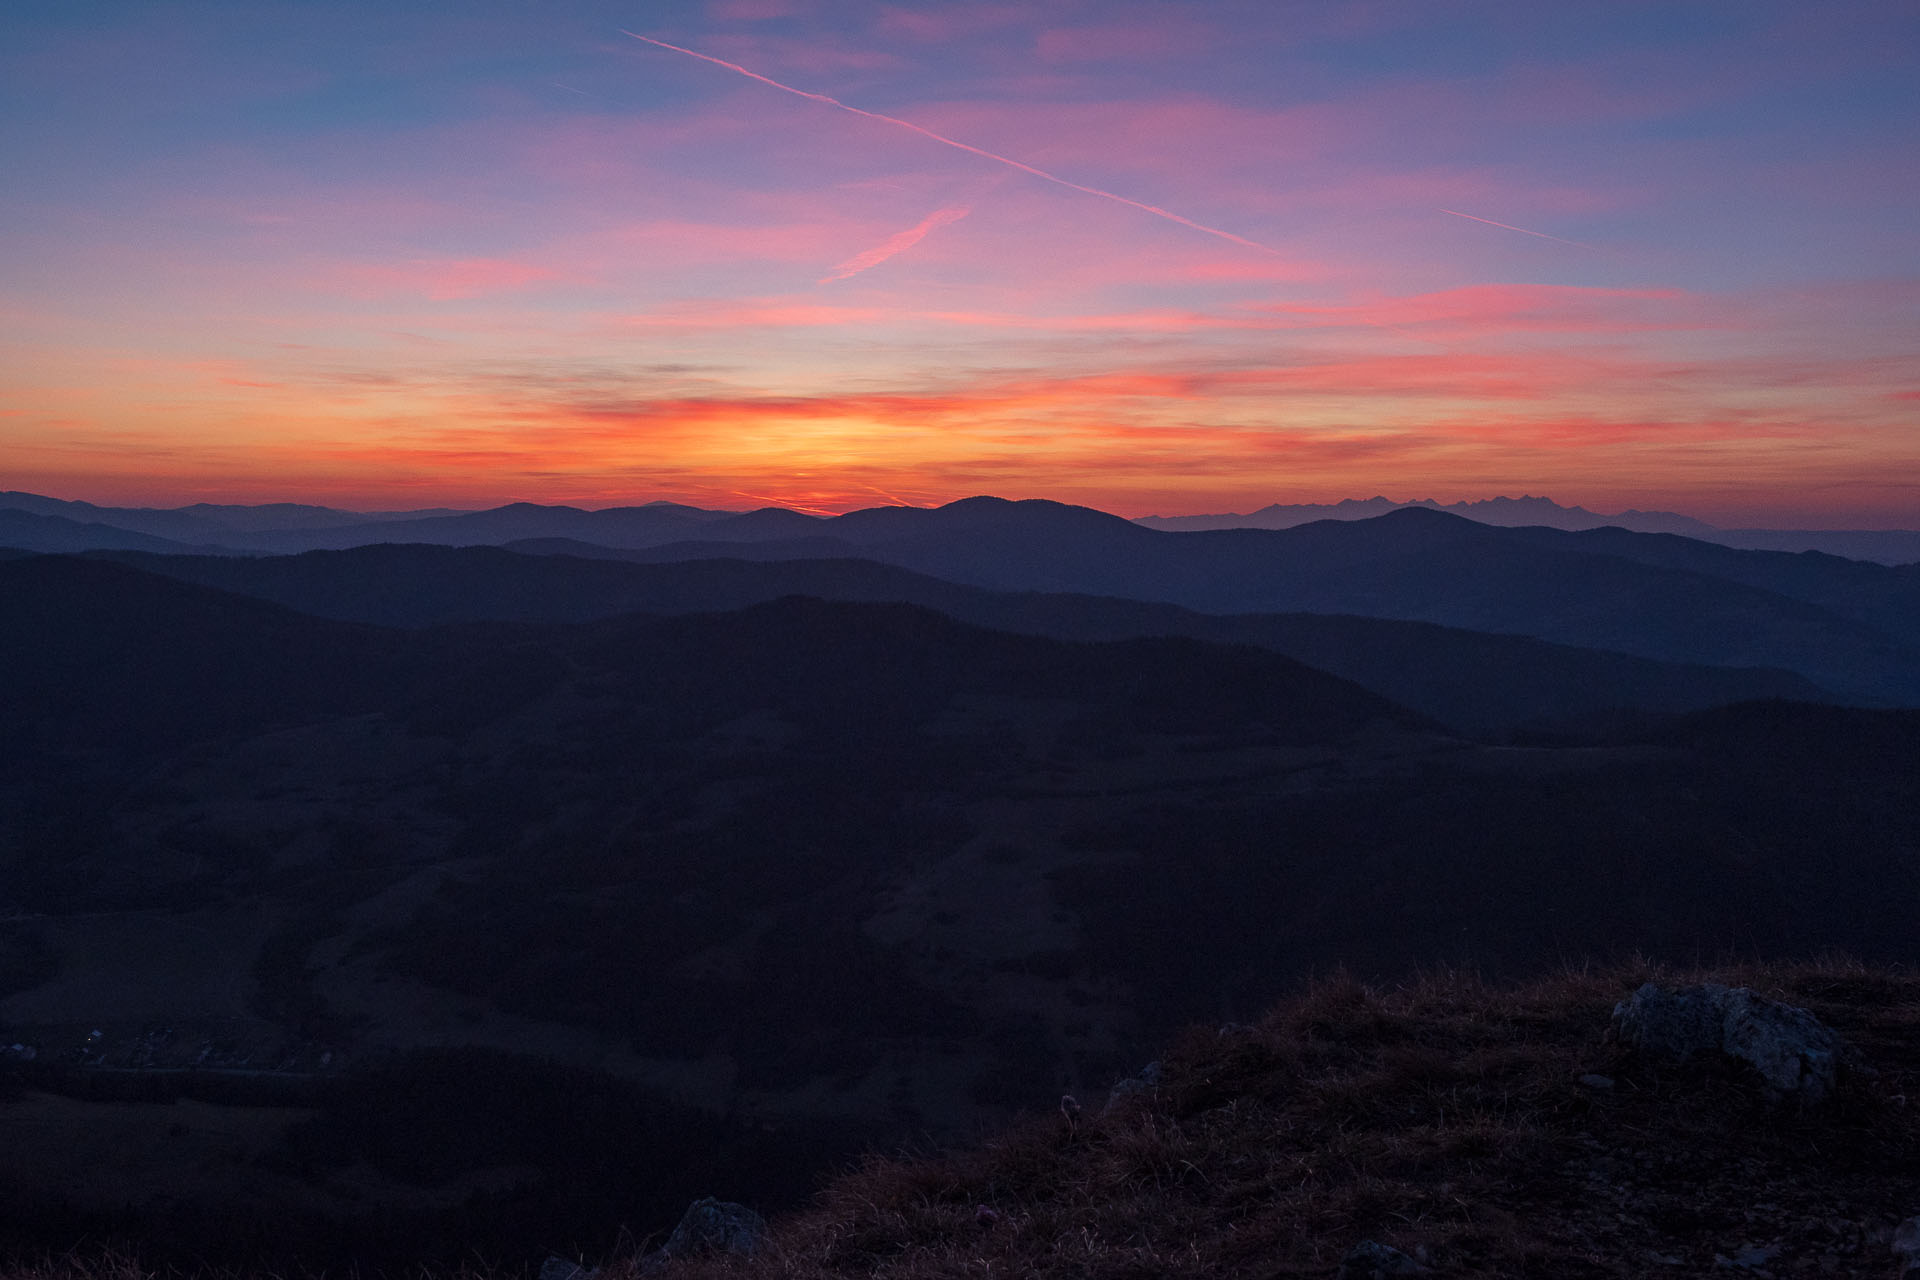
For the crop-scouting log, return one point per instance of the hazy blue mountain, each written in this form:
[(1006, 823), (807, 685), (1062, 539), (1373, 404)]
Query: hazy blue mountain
[(1882, 546), (1510, 512), (1422, 565), (1887, 597), (1846, 626), (763, 525), (278, 516), (802, 548), (205, 522), (34, 531), (292, 527), (615, 526), (1470, 680)]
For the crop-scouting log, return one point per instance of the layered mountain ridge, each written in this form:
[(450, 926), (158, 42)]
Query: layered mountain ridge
[(747, 858), (283, 528)]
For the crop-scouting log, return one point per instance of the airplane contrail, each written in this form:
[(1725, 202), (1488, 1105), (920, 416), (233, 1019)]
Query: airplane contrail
[(1153, 209), (899, 242), (1508, 226)]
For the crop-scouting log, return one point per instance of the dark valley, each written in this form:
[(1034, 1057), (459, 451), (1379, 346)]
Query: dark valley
[(405, 903)]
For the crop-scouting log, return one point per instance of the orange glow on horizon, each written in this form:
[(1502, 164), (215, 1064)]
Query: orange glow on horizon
[(1155, 259)]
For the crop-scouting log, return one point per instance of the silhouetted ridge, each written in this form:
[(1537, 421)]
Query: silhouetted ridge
[(900, 663), (32, 531), (978, 515), (97, 655), (1470, 680)]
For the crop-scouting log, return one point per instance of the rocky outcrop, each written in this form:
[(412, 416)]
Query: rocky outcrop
[(1795, 1054), (1906, 1247), (1146, 1082), (710, 1226), (558, 1268), (1371, 1260)]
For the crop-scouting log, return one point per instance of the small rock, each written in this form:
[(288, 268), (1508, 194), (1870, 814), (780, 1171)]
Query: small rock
[(1754, 1257), (1595, 1081), (1371, 1260), (709, 1226), (1147, 1081), (1906, 1247), (1796, 1055), (558, 1268)]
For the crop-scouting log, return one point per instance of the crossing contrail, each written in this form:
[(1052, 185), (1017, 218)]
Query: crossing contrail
[(1508, 226), (957, 145), (899, 242)]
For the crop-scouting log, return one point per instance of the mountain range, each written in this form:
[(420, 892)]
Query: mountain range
[(282, 528), (1885, 546), (1845, 626), (1472, 681), (783, 837)]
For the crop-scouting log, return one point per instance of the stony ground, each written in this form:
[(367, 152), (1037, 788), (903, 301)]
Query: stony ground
[(1443, 1128), (1480, 1132)]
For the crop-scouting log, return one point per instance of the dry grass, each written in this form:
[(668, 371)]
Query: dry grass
[(1446, 1117)]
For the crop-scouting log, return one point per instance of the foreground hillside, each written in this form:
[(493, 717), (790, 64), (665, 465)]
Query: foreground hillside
[(1480, 1131), (1442, 1127)]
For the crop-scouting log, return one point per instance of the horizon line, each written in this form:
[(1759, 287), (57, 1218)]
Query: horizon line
[(449, 510)]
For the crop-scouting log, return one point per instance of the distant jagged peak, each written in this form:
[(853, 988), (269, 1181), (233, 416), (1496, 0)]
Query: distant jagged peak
[(1525, 502), (1527, 509)]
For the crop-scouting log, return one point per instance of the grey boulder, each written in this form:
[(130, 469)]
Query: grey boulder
[(1371, 1260), (1146, 1082), (1906, 1247), (1796, 1055), (710, 1226), (558, 1268)]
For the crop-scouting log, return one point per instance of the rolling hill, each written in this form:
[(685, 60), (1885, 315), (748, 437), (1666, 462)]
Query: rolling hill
[(1473, 681)]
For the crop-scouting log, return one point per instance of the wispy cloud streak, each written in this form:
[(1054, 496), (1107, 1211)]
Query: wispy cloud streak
[(897, 243), (941, 138), (1508, 226)]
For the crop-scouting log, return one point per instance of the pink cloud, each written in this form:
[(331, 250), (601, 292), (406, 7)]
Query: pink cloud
[(752, 10), (687, 316), (955, 23), (440, 280), (897, 243), (811, 57), (1493, 309), (656, 243), (1477, 311), (1170, 35)]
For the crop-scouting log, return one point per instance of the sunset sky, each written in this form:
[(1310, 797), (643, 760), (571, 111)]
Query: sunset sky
[(1158, 257)]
